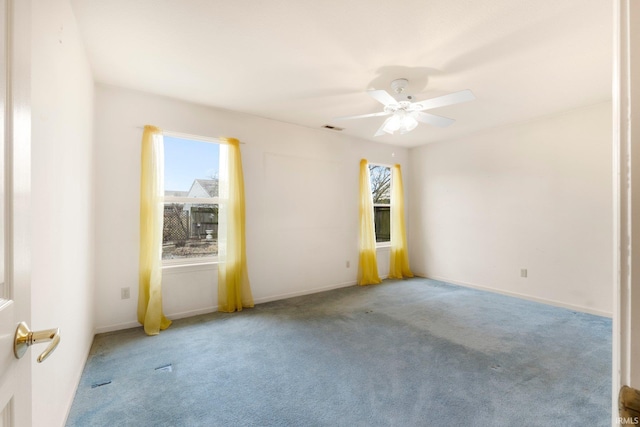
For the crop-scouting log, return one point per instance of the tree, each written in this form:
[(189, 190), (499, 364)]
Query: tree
[(380, 184)]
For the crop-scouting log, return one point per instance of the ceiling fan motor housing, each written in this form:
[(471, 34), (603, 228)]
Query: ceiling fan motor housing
[(399, 86)]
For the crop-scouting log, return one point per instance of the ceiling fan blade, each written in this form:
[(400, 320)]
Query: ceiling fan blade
[(382, 96), (444, 100), (432, 119), (381, 128), (361, 116)]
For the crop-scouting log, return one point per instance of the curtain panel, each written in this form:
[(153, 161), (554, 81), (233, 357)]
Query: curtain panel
[(399, 262), (150, 313), (367, 264), (234, 289)]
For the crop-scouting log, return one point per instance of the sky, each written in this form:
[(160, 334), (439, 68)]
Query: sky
[(186, 160)]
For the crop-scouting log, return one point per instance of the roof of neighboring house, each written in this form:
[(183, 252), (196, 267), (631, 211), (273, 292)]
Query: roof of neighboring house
[(208, 185)]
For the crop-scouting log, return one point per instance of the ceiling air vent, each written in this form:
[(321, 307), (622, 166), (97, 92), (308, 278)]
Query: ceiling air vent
[(336, 128)]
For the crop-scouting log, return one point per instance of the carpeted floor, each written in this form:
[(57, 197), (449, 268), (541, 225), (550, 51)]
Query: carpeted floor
[(403, 353)]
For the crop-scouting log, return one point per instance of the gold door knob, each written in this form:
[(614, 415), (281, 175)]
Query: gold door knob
[(25, 338)]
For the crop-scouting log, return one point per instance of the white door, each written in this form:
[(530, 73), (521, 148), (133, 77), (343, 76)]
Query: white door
[(15, 374)]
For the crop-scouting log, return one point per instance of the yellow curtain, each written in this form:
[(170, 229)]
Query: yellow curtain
[(399, 265), (234, 290), (150, 313), (367, 264)]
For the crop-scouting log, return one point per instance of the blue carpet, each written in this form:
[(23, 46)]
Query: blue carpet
[(404, 353)]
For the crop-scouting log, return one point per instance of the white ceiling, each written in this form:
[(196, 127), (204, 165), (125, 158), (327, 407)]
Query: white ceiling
[(308, 61)]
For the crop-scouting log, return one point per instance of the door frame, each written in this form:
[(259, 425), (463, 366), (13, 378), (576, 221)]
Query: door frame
[(17, 196), (626, 199)]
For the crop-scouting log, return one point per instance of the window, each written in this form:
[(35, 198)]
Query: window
[(380, 178), (190, 229)]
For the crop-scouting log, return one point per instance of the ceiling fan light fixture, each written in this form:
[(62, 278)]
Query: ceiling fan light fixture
[(400, 121), (392, 124), (408, 123)]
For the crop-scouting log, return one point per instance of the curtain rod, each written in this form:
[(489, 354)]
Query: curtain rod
[(188, 136)]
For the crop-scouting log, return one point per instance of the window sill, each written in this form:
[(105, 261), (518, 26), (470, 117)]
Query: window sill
[(383, 245), (189, 265)]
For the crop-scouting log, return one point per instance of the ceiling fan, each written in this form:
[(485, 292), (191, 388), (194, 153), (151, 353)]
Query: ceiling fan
[(406, 114)]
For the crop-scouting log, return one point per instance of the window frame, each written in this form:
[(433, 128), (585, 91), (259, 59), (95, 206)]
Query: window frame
[(384, 244), (186, 262)]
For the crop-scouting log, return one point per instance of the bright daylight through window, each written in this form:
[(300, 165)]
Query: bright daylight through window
[(380, 177), (191, 172)]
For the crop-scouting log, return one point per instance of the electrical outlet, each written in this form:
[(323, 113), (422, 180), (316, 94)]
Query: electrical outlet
[(523, 272), (125, 293), (348, 264)]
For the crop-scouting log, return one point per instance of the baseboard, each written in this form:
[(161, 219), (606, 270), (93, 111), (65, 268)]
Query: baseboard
[(304, 292), (520, 295), (206, 310), (172, 316), (117, 327), (191, 313), (77, 379)]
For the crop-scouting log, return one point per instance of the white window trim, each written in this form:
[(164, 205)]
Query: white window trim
[(382, 245), (193, 200), (189, 262), (193, 261)]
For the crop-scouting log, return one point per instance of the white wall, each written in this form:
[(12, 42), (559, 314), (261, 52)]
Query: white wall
[(302, 214), (536, 195), (62, 206)]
